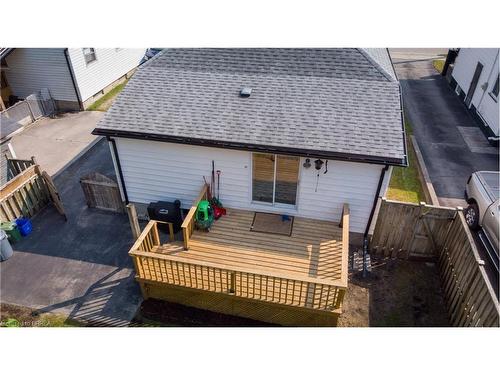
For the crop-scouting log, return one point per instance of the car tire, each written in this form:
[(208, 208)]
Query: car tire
[(471, 214)]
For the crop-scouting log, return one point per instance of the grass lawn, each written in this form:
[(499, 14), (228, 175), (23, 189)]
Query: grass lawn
[(20, 316), (105, 102), (438, 64), (405, 185)]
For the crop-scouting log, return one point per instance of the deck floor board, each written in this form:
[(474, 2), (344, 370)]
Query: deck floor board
[(314, 249)]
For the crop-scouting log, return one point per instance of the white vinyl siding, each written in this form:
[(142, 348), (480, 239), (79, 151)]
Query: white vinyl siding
[(165, 171), (463, 71), (32, 69), (345, 182), (109, 65)]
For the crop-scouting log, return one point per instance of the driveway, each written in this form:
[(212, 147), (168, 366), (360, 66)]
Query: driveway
[(56, 142), (451, 142), (80, 267)]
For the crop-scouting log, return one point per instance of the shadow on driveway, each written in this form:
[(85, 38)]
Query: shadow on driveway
[(79, 267)]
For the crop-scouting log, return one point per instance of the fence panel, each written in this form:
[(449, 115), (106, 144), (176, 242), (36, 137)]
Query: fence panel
[(409, 230), (17, 166), (470, 298), (25, 112), (35, 103), (25, 195), (18, 114), (102, 192)]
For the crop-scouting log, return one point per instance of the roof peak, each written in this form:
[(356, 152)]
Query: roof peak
[(380, 58)]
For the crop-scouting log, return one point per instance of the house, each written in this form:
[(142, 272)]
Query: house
[(75, 77), (475, 78), (312, 134)]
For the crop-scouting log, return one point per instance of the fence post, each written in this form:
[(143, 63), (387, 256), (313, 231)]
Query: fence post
[(30, 110), (134, 221)]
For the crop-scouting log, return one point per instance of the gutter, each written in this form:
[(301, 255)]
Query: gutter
[(73, 79), (405, 149), (119, 168), (255, 148)]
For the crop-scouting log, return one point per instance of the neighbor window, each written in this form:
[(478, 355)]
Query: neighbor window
[(89, 54), (494, 92)]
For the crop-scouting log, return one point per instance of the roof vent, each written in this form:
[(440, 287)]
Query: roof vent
[(245, 92)]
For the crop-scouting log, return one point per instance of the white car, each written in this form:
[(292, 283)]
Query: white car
[(482, 194)]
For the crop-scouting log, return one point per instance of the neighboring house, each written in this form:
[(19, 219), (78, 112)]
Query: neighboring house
[(75, 77), (475, 78), (183, 109)]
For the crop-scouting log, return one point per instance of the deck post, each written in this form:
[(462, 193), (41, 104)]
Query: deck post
[(134, 221)]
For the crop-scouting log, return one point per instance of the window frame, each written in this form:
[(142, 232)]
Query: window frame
[(274, 203), (92, 53)]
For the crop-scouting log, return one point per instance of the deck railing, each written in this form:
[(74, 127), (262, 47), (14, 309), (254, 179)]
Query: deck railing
[(268, 286), (344, 224), (188, 223)]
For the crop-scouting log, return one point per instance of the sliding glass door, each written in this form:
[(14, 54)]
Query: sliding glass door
[(275, 179)]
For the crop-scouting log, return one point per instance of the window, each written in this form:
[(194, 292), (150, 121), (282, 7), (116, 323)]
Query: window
[(89, 54), (275, 178), (494, 92)]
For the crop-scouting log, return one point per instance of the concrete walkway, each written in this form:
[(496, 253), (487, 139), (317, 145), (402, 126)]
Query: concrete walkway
[(56, 142), (451, 142), (81, 267)]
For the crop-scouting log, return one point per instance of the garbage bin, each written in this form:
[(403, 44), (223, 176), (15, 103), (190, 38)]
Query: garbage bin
[(5, 248), (12, 232), (166, 211)]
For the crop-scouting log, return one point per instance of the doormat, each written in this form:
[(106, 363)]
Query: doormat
[(272, 223)]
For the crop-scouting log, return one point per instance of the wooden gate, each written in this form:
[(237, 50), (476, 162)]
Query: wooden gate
[(408, 230), (102, 192)]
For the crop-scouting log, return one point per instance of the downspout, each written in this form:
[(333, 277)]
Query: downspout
[(375, 200), (72, 75), (118, 168), (370, 218)]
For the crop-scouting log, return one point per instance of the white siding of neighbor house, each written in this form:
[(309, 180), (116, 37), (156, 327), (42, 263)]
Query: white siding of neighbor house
[(32, 69), (110, 64), (463, 71), (155, 171)]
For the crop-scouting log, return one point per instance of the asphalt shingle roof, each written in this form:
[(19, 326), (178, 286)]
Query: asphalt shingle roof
[(320, 101)]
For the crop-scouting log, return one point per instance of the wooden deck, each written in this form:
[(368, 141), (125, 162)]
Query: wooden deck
[(233, 270), (313, 250)]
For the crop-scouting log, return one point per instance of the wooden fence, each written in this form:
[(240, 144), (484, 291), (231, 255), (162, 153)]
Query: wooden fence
[(17, 166), (292, 290), (27, 193), (102, 192), (188, 223), (415, 231), (407, 230)]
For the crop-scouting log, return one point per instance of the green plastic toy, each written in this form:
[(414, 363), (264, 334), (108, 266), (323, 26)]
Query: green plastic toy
[(204, 215)]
